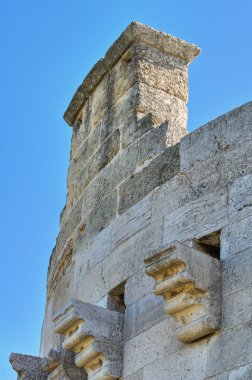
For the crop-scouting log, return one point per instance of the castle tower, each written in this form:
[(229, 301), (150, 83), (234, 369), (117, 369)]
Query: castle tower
[(141, 281)]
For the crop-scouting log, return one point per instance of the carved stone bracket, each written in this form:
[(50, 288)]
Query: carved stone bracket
[(95, 334), (60, 364), (28, 367), (190, 282)]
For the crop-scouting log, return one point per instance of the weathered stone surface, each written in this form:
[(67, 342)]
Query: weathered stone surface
[(137, 286), (93, 251), (67, 371), (165, 108), (102, 215), (189, 363), (142, 315), (89, 287), (190, 283), (236, 237), (197, 218), (236, 272), (28, 367), (240, 195), (154, 343), (95, 334), (107, 151), (131, 222), (162, 168), (60, 365), (71, 224), (217, 136), (159, 70), (237, 308), (230, 349), (110, 177), (135, 32), (131, 190)]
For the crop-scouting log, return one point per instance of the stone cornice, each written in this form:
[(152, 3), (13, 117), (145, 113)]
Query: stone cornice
[(135, 32)]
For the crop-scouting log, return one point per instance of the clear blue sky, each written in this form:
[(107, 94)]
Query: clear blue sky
[(47, 47)]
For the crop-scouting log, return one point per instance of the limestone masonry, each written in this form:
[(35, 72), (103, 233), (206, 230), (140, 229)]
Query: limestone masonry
[(150, 278)]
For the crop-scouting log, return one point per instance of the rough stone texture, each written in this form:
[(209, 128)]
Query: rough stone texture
[(95, 334), (134, 32), (136, 182), (190, 283), (28, 367), (60, 364), (159, 170)]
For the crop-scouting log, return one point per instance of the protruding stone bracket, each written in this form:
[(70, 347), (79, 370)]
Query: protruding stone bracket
[(95, 334), (28, 367), (190, 282), (60, 364)]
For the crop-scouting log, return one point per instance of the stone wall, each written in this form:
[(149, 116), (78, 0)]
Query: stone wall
[(137, 182), (210, 192)]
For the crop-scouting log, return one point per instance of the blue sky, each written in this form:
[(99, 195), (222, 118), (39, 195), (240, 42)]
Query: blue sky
[(47, 47)]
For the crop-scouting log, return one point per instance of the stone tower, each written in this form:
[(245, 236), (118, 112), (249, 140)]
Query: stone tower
[(150, 277)]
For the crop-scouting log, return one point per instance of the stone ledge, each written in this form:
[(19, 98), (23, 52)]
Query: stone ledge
[(190, 283), (95, 335), (135, 32)]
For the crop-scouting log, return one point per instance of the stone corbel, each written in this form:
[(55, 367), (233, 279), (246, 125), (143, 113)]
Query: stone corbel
[(190, 283), (95, 335), (28, 367), (60, 364)]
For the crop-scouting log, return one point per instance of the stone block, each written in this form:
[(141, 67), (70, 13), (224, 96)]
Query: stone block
[(89, 286), (217, 136), (189, 363), (152, 236), (161, 71), (94, 250), (202, 144), (134, 220), (101, 215), (236, 272), (71, 224), (197, 218), (109, 178), (138, 185), (137, 125), (95, 335), (236, 237), (143, 315), (151, 144), (240, 195), (230, 349), (237, 162), (238, 125), (107, 151), (124, 260), (28, 367), (171, 195), (237, 308), (60, 364), (137, 286), (190, 283), (153, 343), (86, 151), (165, 108)]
